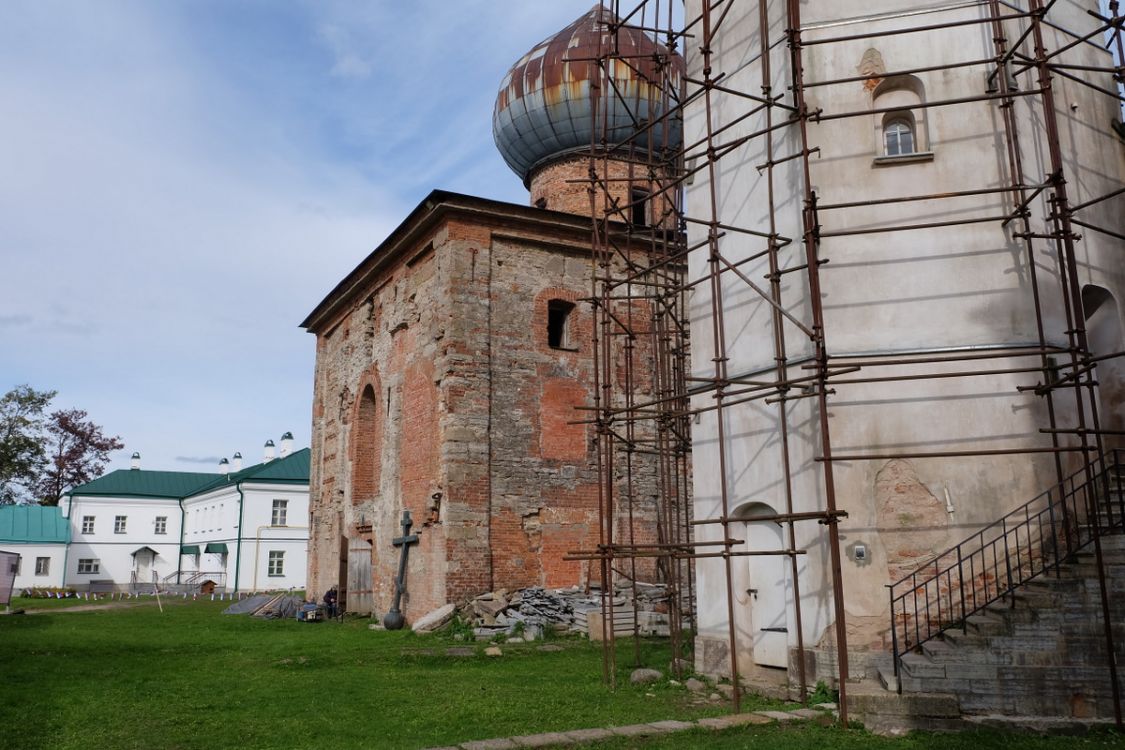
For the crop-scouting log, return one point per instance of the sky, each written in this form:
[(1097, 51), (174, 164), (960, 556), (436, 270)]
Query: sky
[(181, 182)]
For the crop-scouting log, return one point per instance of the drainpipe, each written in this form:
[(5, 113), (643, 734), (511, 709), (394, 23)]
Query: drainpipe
[(179, 552), (238, 537)]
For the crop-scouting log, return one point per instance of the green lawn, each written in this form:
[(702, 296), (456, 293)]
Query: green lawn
[(194, 678)]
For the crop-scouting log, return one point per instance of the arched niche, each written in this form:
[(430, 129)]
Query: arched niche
[(901, 126), (366, 448)]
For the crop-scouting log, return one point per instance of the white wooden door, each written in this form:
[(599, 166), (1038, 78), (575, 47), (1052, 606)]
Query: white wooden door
[(768, 593)]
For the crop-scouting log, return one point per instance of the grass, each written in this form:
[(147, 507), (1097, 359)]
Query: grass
[(30, 603), (194, 678)]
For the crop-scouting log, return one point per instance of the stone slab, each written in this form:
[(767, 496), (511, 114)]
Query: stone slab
[(547, 739), (777, 715), (589, 735), (734, 720), (634, 730), (806, 713), (500, 743), (672, 725)]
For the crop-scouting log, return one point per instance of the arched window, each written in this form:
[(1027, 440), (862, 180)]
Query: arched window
[(898, 136)]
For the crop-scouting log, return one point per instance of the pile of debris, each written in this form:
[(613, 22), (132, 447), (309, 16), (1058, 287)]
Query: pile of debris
[(530, 613), (268, 606)]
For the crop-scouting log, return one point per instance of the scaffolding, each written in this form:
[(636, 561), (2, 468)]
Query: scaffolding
[(646, 274)]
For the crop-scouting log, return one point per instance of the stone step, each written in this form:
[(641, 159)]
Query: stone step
[(983, 624), (920, 665), (887, 678)]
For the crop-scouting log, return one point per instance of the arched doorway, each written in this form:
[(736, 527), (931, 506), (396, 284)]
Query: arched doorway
[(1104, 335), (768, 586)]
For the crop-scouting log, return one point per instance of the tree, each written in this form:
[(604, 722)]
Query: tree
[(77, 452), (22, 452)]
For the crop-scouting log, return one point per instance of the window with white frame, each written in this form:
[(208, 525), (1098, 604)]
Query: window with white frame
[(898, 136), (160, 526), (87, 524), (277, 563), (119, 524), (88, 566), (42, 566), (280, 511)]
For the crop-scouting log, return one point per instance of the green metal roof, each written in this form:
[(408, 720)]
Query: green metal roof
[(293, 469), (33, 524), (176, 485), (140, 483), (220, 547), (189, 549)]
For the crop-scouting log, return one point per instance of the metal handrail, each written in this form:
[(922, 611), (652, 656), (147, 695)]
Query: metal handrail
[(1032, 539)]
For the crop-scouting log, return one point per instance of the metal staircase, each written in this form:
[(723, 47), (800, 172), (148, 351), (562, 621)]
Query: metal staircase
[(1033, 540)]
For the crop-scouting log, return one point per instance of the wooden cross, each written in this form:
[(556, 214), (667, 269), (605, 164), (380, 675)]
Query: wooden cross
[(394, 620)]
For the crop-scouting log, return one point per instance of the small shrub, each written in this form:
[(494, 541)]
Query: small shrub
[(823, 694)]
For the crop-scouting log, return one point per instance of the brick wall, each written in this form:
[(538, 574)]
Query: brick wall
[(564, 185), (465, 421)]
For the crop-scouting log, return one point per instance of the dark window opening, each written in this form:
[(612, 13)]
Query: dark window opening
[(638, 200), (541, 203), (558, 316)]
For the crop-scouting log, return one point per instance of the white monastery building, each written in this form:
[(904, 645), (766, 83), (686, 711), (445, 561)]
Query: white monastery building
[(236, 530)]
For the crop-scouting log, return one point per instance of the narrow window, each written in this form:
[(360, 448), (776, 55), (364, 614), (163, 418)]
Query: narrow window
[(638, 206), (119, 524), (277, 563), (541, 203), (161, 525), (88, 566), (17, 566), (558, 319), (898, 138), (87, 524), (42, 566), (280, 510)]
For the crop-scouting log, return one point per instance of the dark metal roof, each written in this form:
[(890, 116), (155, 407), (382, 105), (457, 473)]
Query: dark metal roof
[(546, 107)]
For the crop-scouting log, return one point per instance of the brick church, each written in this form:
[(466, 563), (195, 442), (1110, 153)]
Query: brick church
[(451, 364)]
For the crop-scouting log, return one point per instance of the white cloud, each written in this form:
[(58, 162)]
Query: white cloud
[(180, 190)]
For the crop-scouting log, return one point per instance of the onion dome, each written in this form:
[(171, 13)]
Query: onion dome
[(546, 105)]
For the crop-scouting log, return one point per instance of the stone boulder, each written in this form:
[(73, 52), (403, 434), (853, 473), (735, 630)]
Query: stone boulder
[(645, 676)]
